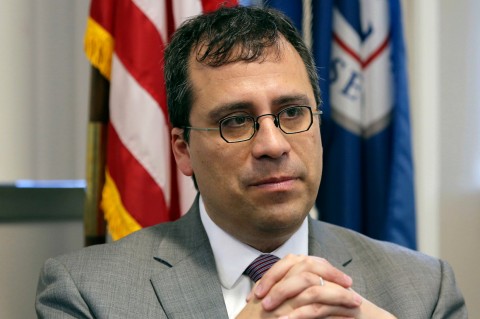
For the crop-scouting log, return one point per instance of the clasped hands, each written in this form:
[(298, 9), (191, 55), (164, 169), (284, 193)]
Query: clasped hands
[(301, 287)]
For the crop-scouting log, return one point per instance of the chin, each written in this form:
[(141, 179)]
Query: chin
[(283, 221)]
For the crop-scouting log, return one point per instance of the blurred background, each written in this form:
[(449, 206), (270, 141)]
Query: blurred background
[(44, 96)]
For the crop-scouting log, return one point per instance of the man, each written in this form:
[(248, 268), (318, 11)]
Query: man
[(243, 100)]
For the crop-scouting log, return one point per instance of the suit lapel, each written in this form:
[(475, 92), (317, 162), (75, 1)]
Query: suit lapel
[(188, 287), (324, 242), (187, 284)]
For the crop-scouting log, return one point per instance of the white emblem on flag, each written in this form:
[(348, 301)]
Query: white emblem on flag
[(360, 71)]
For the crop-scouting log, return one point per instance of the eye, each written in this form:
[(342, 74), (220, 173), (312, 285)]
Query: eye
[(237, 121), (292, 112)]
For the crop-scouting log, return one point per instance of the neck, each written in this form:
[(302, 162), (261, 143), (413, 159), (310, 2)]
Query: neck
[(266, 246)]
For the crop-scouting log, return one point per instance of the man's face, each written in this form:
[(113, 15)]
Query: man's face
[(260, 190)]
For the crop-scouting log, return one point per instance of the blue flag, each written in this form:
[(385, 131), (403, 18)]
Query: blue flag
[(367, 182)]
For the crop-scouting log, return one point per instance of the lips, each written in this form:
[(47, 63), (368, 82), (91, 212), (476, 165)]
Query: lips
[(274, 181)]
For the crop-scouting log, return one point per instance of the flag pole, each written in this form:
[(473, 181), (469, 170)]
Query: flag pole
[(93, 220)]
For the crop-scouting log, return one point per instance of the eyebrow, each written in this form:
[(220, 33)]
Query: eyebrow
[(299, 99), (224, 109)]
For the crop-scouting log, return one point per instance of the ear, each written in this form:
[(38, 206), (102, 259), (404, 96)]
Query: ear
[(181, 152)]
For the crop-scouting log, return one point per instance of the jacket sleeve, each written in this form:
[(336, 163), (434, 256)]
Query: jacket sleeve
[(57, 294), (450, 303)]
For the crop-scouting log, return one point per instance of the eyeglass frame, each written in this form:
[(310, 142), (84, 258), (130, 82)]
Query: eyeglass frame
[(256, 124)]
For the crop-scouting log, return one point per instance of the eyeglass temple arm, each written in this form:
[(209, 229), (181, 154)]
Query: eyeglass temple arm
[(202, 128)]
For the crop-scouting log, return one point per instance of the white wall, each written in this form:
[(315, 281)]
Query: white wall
[(43, 89), (444, 50), (460, 143), (44, 80), (43, 115)]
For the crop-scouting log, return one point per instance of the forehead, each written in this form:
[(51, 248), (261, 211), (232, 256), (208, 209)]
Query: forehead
[(216, 54), (278, 74)]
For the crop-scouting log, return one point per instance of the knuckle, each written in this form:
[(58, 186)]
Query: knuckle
[(312, 293), (305, 277), (291, 257), (280, 290), (319, 259), (317, 309), (310, 278)]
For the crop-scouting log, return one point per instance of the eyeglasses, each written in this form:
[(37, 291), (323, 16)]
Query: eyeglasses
[(241, 128)]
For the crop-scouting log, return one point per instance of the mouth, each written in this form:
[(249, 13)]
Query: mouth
[(282, 183)]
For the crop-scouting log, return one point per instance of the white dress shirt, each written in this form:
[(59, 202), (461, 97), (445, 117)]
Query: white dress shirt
[(233, 256)]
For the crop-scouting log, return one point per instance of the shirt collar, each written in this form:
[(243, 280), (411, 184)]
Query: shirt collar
[(233, 256)]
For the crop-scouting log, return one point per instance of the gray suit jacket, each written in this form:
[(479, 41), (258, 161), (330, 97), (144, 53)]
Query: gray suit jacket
[(168, 271)]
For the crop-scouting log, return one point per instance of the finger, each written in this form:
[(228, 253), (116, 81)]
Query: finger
[(316, 311), (291, 265), (329, 317), (251, 294), (331, 274), (290, 287), (307, 289), (275, 274)]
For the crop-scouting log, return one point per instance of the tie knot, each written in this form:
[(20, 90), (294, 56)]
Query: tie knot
[(260, 265)]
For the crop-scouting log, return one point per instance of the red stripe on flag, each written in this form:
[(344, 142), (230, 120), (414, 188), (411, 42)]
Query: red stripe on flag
[(363, 63), (102, 12), (139, 46), (377, 52), (212, 5), (170, 18), (141, 196), (347, 49)]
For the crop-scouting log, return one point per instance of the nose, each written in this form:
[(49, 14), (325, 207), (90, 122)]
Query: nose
[(269, 140)]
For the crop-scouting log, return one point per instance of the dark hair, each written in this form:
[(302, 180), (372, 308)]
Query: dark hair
[(221, 37)]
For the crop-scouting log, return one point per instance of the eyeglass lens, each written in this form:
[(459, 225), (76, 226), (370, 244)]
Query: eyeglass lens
[(241, 128)]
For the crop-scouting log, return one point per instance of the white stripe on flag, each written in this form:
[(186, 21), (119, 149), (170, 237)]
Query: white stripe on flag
[(156, 12), (183, 9), (374, 15), (348, 34), (141, 125)]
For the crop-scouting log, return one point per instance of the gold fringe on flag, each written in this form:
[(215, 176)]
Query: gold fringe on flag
[(120, 222), (98, 46)]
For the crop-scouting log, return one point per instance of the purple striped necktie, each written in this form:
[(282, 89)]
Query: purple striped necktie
[(260, 265)]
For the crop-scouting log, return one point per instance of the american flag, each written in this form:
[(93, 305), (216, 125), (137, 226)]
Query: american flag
[(125, 41)]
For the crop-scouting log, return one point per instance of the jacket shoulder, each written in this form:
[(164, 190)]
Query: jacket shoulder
[(366, 248), (406, 282)]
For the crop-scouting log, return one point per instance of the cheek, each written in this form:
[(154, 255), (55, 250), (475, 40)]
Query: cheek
[(312, 154), (312, 141), (200, 160), (214, 162)]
